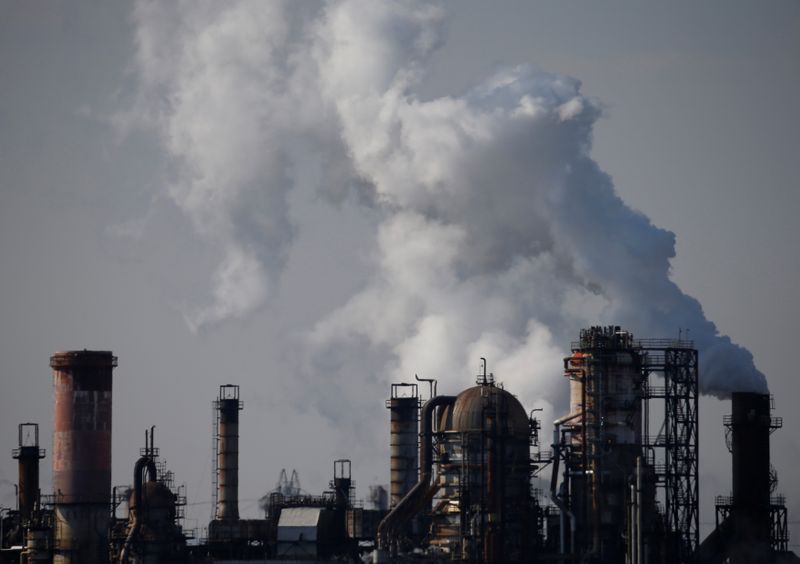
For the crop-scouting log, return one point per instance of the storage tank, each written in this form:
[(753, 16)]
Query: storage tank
[(82, 454)]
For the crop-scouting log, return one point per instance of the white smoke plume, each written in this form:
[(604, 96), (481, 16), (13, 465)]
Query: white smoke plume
[(500, 237)]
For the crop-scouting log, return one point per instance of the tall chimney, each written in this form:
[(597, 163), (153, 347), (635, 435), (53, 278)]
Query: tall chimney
[(228, 406), (28, 453), (82, 454), (403, 440), (750, 424)]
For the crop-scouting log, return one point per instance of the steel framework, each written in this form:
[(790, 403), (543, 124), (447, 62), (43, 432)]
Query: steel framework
[(677, 362)]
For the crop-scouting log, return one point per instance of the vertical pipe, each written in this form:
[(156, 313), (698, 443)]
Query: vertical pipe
[(638, 516), (229, 406), (412, 503), (82, 454)]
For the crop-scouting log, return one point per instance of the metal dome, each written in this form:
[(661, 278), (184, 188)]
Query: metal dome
[(474, 404)]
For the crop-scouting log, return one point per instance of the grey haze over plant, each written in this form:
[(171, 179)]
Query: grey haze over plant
[(498, 235)]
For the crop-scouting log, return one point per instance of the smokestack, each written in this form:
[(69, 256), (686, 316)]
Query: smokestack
[(82, 454), (228, 406), (404, 429), (342, 483), (28, 453), (750, 424)]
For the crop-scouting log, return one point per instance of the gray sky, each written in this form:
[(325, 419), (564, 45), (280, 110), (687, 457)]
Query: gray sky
[(699, 133)]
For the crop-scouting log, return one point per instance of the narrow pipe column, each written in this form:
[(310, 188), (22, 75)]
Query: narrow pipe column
[(28, 453), (82, 454), (228, 407)]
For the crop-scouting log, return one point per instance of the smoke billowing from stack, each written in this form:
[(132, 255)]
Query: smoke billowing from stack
[(228, 406), (489, 205), (82, 454)]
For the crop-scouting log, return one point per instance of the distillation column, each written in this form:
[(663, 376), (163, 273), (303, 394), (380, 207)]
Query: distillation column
[(82, 454)]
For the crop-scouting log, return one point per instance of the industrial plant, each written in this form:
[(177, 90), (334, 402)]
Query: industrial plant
[(471, 476)]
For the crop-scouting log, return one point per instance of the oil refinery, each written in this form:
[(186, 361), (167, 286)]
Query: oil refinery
[(464, 484)]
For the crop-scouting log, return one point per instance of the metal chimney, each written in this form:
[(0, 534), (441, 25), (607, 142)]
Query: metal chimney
[(403, 440), (82, 454), (28, 453), (750, 426), (227, 407)]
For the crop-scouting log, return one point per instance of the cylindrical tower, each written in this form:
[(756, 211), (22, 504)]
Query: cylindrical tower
[(82, 454), (342, 483), (750, 425), (403, 440), (228, 406), (604, 430), (484, 464), (28, 453)]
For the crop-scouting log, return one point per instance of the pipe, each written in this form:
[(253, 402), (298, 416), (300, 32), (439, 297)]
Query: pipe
[(144, 463), (432, 383), (638, 510), (562, 507), (410, 504)]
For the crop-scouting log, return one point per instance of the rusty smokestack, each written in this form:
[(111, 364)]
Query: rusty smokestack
[(28, 453), (403, 440), (82, 454), (228, 406)]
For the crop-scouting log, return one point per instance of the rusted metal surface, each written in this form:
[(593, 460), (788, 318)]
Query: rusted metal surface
[(414, 501), (486, 476), (82, 454), (403, 440), (82, 426), (228, 405), (472, 405)]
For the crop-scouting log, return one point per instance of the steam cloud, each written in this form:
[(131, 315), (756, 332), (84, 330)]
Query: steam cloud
[(499, 235)]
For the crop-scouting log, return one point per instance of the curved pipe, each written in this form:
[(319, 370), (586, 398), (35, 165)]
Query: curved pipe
[(144, 463), (431, 383), (410, 505)]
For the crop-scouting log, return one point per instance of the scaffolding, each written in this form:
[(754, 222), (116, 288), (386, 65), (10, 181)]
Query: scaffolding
[(668, 374), (677, 362)]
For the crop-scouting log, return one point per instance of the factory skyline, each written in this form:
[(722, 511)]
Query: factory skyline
[(464, 471), (180, 211)]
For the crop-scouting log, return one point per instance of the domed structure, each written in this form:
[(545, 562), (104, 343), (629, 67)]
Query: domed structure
[(482, 507), (477, 407)]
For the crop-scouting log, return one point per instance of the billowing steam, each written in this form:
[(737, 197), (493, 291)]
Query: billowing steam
[(499, 235)]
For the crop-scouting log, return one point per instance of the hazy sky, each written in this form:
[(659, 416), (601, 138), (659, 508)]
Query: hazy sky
[(234, 194)]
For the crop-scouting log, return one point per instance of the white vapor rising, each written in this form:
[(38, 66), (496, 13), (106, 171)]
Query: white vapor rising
[(500, 236)]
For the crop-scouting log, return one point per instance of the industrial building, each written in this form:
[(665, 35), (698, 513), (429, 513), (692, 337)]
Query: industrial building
[(621, 473)]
